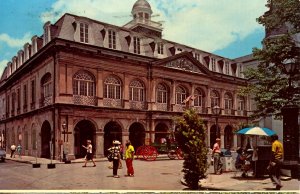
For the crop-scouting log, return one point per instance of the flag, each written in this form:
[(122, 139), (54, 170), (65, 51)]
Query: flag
[(191, 97)]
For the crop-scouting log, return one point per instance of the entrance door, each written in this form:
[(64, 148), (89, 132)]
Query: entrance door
[(84, 130), (45, 140), (137, 135), (112, 131), (161, 132), (213, 135)]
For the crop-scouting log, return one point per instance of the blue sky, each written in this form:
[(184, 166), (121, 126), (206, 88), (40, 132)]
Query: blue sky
[(225, 27)]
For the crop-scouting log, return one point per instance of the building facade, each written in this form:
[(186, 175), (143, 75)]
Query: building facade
[(85, 79)]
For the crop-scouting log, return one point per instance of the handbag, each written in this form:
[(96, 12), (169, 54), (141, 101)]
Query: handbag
[(110, 157)]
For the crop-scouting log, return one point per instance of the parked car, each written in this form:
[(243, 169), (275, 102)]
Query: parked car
[(2, 155)]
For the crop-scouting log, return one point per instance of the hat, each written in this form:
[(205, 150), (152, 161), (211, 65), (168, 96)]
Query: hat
[(218, 139), (116, 142)]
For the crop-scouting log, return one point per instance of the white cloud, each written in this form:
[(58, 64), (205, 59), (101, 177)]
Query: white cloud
[(15, 42), (3, 64), (204, 24)]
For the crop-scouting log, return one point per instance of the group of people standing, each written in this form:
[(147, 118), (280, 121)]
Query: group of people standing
[(275, 163), (117, 153)]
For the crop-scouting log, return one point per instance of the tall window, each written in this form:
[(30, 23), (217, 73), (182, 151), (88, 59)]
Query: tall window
[(7, 105), (83, 84), (32, 91), (161, 94), (26, 140), (84, 32), (13, 103), (228, 100), (136, 45), (180, 95), (160, 48), (241, 103), (33, 138), (18, 99), (24, 96), (136, 91), (213, 64), (111, 39), (46, 83), (215, 99), (112, 88), (199, 98), (227, 68)]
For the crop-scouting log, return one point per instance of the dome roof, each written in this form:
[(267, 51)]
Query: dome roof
[(141, 5)]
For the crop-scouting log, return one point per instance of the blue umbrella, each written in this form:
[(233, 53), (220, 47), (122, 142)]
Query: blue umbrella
[(256, 131)]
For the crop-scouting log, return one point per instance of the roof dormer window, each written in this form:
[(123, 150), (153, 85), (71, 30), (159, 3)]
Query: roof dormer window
[(112, 39), (227, 68), (136, 45), (84, 32), (160, 48), (47, 36)]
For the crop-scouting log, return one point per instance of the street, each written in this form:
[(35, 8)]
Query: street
[(163, 174)]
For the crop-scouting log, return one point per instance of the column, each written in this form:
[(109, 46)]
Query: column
[(99, 144)]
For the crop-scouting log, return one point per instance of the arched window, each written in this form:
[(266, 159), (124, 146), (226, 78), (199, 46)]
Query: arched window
[(162, 93), (112, 88), (241, 103), (46, 84), (137, 90), (180, 95), (199, 98), (84, 84), (241, 106), (215, 98), (228, 101)]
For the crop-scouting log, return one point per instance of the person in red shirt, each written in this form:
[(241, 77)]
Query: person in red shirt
[(216, 153)]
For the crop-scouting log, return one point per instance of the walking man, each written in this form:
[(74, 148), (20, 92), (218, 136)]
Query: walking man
[(89, 153), (276, 161), (216, 152), (129, 155), (12, 150)]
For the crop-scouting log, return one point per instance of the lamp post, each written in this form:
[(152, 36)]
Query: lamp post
[(290, 122), (217, 111)]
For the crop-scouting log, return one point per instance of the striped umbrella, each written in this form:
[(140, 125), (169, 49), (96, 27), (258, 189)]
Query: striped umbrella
[(256, 131)]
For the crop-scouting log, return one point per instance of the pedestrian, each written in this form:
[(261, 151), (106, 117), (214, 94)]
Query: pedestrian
[(115, 150), (12, 150), (216, 152), (89, 153), (129, 155), (19, 150), (276, 161), (121, 156)]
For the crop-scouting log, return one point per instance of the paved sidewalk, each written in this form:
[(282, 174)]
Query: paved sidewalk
[(228, 181), (233, 181)]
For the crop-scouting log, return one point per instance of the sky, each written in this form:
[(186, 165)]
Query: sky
[(224, 27)]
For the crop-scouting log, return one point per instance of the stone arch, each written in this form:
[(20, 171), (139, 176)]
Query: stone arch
[(45, 140), (112, 131), (137, 134), (213, 134), (161, 131), (84, 130)]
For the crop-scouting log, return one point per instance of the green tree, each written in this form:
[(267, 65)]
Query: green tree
[(270, 84), (190, 136)]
